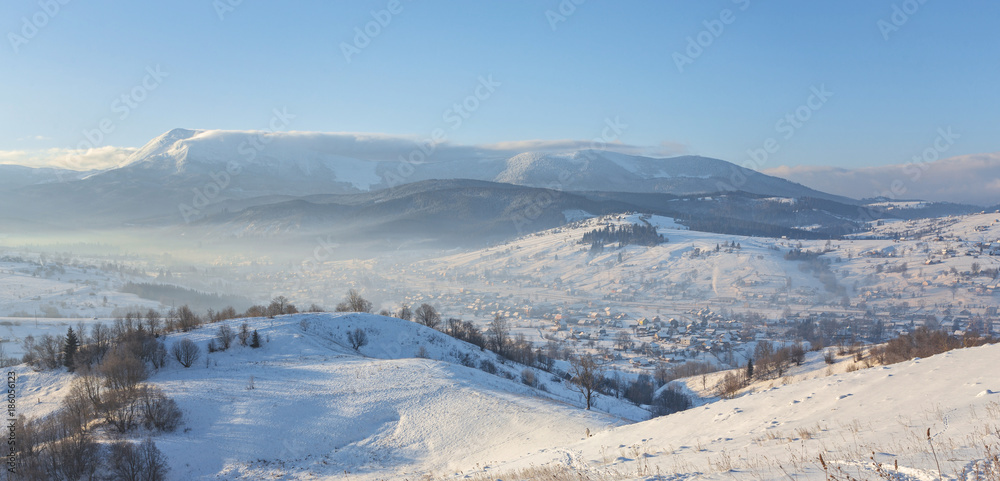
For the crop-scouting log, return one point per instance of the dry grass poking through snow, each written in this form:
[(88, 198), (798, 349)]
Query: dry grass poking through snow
[(548, 473)]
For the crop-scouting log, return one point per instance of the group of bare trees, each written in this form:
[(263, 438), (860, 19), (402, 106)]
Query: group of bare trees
[(354, 303), (923, 342), (768, 362), (110, 393)]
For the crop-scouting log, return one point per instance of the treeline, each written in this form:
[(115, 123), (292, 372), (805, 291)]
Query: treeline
[(768, 362), (923, 342), (630, 234), (175, 295), (736, 226), (796, 254)]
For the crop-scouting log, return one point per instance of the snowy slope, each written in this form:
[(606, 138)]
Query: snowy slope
[(320, 409), (781, 432), (307, 406), (688, 272)]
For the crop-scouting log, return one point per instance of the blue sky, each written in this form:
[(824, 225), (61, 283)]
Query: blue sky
[(603, 60)]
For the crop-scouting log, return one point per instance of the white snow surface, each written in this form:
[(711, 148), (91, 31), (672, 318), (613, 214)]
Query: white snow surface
[(320, 410)]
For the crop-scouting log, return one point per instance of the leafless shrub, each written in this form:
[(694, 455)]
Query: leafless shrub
[(528, 378), (120, 410), (828, 357), (226, 336), (144, 462), (122, 370), (157, 410), (357, 338), (730, 386), (73, 457)]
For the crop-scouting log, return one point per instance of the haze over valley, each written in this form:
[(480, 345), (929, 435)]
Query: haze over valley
[(511, 241)]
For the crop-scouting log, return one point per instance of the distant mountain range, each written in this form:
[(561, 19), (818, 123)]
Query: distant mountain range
[(249, 184), (314, 163)]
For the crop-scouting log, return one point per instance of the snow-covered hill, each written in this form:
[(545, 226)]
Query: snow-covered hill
[(307, 406), (924, 259), (853, 420)]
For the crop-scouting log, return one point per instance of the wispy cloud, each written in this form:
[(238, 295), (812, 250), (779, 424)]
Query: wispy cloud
[(388, 147), (665, 149), (72, 159), (971, 179), (364, 146)]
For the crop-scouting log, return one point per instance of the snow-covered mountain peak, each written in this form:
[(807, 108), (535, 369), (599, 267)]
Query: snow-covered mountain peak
[(160, 145)]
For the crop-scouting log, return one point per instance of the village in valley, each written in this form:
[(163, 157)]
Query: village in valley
[(693, 296)]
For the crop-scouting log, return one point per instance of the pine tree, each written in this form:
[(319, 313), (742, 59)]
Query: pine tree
[(254, 340), (749, 369), (69, 349)]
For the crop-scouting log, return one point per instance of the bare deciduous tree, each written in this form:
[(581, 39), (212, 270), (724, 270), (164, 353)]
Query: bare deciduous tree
[(498, 335), (153, 322), (623, 341), (428, 316), (226, 337), (244, 334), (586, 377), (187, 319), (186, 352)]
